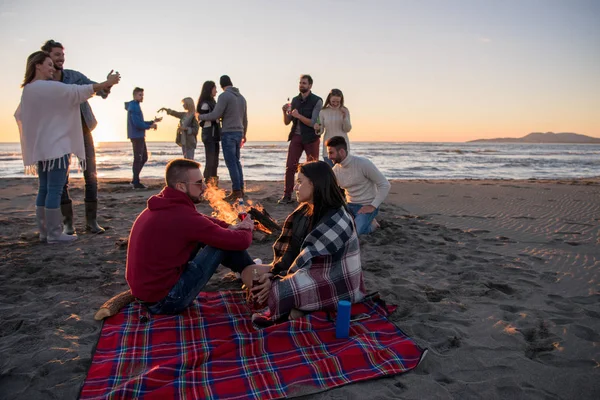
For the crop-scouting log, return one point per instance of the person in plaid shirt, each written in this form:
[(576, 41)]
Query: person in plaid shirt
[(317, 257)]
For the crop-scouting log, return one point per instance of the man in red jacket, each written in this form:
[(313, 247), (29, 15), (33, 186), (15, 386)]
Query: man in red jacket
[(174, 250)]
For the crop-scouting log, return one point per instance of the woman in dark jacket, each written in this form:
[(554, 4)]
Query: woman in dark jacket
[(211, 133), (317, 257)]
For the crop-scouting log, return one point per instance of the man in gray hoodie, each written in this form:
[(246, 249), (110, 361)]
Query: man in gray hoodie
[(231, 107)]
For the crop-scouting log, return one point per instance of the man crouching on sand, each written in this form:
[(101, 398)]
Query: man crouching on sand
[(174, 250)]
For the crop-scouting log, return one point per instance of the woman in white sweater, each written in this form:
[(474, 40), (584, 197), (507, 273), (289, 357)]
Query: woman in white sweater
[(334, 120), (49, 123)]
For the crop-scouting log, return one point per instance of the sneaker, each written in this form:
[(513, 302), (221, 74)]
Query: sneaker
[(234, 196), (285, 200), (139, 186)]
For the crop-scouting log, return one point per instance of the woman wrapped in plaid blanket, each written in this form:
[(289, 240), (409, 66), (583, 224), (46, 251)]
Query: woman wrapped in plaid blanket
[(317, 257)]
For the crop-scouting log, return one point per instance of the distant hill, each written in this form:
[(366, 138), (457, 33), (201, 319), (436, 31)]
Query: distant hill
[(548, 137)]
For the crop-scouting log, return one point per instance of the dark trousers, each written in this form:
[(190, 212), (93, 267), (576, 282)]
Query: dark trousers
[(293, 158), (211, 151), (140, 156), (89, 173), (199, 269)]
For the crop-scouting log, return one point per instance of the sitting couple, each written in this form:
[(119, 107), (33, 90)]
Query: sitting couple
[(174, 250)]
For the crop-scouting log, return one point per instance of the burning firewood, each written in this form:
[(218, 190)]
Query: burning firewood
[(264, 220)]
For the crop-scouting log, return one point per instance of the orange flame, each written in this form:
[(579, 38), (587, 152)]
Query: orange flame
[(229, 213), (221, 209)]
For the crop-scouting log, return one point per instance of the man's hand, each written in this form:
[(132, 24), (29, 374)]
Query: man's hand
[(243, 139), (286, 107), (157, 119), (366, 209), (247, 223), (295, 113), (317, 127), (113, 79), (153, 126)]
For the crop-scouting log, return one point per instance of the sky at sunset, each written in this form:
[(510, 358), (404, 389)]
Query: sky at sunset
[(445, 71)]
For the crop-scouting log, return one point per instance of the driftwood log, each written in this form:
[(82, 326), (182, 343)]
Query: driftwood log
[(265, 219), (114, 305)]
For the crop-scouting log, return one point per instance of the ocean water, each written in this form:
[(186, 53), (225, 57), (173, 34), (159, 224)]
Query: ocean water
[(266, 160)]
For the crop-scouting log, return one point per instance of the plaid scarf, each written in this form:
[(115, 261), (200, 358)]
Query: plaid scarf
[(326, 271)]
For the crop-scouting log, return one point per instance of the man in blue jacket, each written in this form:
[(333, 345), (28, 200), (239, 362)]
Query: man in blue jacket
[(136, 132), (88, 123)]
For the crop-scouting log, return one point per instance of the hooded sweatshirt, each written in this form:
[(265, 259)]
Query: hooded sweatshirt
[(231, 106), (136, 126), (163, 238)]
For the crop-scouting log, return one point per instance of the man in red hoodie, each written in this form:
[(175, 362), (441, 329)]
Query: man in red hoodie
[(174, 250)]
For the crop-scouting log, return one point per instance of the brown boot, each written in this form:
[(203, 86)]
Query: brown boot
[(91, 222)]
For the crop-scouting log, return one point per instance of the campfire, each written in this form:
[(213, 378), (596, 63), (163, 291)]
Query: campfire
[(263, 222)]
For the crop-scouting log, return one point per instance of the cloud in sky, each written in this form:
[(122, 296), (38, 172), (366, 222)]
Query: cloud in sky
[(483, 39)]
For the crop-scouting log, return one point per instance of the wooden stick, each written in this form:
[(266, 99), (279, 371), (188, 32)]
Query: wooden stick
[(265, 219)]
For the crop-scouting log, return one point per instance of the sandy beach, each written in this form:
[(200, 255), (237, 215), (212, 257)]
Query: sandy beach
[(499, 279)]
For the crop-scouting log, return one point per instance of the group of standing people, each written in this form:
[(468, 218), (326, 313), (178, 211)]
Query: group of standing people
[(224, 125)]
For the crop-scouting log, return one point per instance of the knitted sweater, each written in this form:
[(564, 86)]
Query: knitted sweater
[(49, 121), (363, 182), (333, 123)]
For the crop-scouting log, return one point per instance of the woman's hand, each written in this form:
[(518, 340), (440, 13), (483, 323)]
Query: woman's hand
[(162, 109), (247, 273), (262, 290)]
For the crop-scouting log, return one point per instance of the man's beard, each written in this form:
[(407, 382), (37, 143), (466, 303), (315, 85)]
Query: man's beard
[(303, 90), (58, 68), (195, 199)]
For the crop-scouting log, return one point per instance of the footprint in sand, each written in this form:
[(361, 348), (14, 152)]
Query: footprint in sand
[(447, 345), (585, 333), (502, 287)]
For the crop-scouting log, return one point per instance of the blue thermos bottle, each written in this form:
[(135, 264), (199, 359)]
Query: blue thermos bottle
[(342, 322)]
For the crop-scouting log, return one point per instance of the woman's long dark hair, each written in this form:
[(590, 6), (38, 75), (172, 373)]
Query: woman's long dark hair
[(327, 195), (34, 59), (206, 95)]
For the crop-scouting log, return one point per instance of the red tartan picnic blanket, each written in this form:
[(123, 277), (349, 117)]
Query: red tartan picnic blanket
[(211, 351)]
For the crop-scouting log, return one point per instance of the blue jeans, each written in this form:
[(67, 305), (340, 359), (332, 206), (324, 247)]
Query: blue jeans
[(52, 182), (196, 275), (188, 152), (362, 221), (140, 156), (231, 143)]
